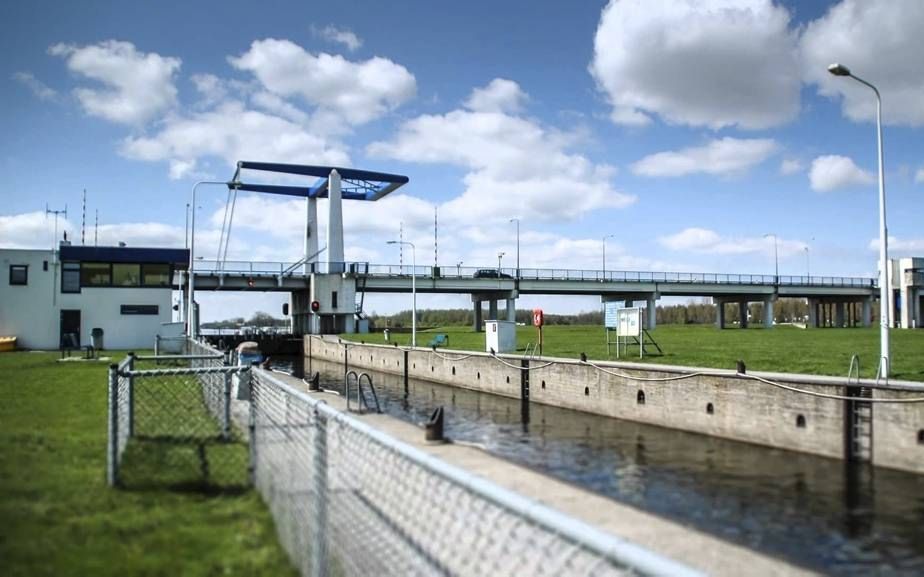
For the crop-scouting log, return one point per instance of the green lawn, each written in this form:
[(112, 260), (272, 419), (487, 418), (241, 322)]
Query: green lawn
[(60, 518), (783, 348)]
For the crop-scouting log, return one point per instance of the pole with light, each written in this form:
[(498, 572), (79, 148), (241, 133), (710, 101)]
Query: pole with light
[(517, 220), (413, 288), (884, 292), (192, 319), (604, 253), (500, 257), (776, 258), (808, 264)]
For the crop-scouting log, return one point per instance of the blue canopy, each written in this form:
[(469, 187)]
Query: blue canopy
[(355, 184)]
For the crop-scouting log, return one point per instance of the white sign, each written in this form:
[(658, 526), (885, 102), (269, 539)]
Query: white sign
[(629, 322), (610, 318)]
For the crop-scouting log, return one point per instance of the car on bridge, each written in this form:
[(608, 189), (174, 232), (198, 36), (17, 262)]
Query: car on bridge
[(490, 273)]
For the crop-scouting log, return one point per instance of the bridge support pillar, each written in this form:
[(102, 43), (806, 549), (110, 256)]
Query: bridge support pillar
[(743, 314), (492, 310), (839, 318), (768, 313), (651, 312), (512, 310), (867, 312), (812, 314), (477, 324), (719, 313)]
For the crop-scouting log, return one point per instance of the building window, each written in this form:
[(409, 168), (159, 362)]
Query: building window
[(155, 275), (70, 277), (126, 274), (45, 265), (95, 274), (333, 299), (139, 309), (19, 274)]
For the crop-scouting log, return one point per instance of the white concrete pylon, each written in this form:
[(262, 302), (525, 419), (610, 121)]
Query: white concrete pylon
[(334, 221), (311, 232)]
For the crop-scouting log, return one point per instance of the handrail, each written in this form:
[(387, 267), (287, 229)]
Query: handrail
[(360, 397)]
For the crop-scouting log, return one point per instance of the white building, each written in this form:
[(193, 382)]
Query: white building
[(50, 300), (907, 283)]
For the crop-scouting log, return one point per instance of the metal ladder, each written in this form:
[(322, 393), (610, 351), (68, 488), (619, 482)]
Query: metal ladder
[(362, 402), (859, 416)]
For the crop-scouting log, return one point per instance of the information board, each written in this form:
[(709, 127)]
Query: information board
[(610, 315)]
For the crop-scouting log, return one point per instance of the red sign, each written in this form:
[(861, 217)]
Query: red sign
[(537, 317)]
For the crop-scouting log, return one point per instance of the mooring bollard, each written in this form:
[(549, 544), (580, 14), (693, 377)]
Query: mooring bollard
[(315, 383), (742, 370), (433, 429)]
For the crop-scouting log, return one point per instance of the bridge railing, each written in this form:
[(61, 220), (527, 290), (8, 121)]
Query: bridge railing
[(257, 268)]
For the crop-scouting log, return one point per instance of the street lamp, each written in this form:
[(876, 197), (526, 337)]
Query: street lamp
[(500, 256), (604, 253), (413, 287), (885, 299), (517, 220), (776, 258), (808, 264), (459, 268)]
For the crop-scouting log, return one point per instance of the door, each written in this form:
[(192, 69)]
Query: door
[(70, 329)]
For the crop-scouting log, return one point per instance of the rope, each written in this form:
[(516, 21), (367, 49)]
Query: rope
[(649, 379), (519, 368), (828, 396), (447, 358)]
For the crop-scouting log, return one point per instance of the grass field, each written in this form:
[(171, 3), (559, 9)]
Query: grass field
[(60, 518), (783, 349)]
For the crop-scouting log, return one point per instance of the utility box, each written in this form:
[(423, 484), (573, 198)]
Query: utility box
[(500, 336)]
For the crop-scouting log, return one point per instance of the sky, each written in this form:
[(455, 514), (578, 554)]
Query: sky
[(684, 132)]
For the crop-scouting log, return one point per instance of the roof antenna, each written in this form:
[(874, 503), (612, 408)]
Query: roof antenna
[(56, 213), (435, 238), (83, 220), (96, 229)]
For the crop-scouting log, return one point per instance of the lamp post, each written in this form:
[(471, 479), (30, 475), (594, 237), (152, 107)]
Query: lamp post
[(885, 293), (413, 288), (808, 264), (776, 258), (517, 220), (604, 253), (192, 320), (459, 268), (500, 257)]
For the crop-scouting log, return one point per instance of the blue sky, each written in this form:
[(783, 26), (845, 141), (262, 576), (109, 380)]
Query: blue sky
[(687, 132)]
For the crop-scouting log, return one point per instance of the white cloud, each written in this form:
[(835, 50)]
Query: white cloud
[(31, 230), (919, 175), (710, 63), (343, 36), (880, 41), (356, 92), (791, 166), (706, 241), (832, 171), (903, 247), (516, 166), (500, 95), (136, 86), (725, 156), (231, 132), (41, 90)]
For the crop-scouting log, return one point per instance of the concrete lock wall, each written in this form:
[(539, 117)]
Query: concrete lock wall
[(742, 409)]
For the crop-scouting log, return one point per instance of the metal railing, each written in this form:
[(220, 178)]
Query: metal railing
[(350, 500), (538, 274)]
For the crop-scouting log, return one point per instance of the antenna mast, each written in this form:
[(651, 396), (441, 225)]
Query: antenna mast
[(435, 237), (401, 246), (83, 220), (56, 213), (96, 229)]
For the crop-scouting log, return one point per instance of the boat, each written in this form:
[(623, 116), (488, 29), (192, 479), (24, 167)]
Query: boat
[(248, 353)]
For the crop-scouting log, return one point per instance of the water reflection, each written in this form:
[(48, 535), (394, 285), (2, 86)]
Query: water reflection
[(816, 512)]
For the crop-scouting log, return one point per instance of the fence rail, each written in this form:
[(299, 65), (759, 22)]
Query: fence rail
[(346, 498)]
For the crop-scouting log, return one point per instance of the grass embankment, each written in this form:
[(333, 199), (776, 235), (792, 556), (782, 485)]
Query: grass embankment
[(782, 349), (60, 518)]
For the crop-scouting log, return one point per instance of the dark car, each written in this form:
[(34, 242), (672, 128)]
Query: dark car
[(490, 273)]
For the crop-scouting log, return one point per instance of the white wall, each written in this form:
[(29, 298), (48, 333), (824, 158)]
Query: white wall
[(33, 312)]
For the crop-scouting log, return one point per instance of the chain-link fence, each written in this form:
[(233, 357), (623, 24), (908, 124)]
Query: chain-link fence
[(170, 423), (350, 500)]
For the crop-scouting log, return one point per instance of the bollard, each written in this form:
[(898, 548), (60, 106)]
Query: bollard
[(741, 368), (315, 383), (433, 429), (583, 357)]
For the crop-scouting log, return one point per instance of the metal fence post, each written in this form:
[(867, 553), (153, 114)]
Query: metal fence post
[(226, 408), (319, 549), (112, 464), (130, 365), (252, 425)]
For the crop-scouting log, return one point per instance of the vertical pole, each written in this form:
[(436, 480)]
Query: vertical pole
[(226, 409), (112, 449), (319, 550), (524, 391), (131, 396), (405, 372), (885, 294), (252, 425)]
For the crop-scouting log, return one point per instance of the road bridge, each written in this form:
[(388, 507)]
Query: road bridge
[(833, 301)]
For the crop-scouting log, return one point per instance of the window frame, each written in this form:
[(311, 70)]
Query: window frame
[(64, 270), (108, 265), (144, 267), (25, 269), (112, 274)]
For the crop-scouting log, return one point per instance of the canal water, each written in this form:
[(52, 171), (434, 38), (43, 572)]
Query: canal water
[(815, 512)]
